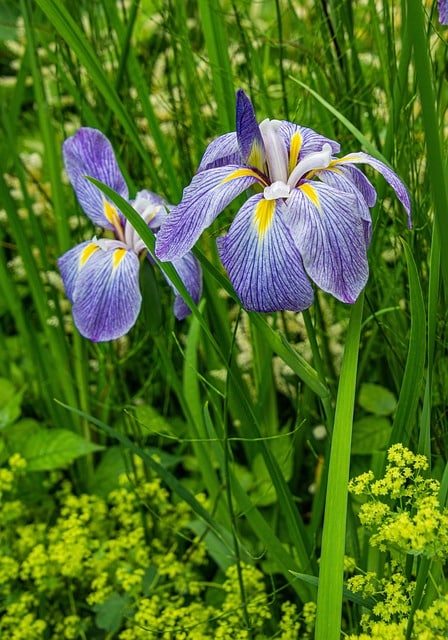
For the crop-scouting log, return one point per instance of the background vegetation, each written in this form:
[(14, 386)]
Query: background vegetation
[(172, 484)]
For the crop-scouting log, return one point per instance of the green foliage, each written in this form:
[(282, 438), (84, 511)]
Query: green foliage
[(405, 520), (128, 564), (174, 483)]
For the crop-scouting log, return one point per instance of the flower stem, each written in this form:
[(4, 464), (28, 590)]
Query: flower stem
[(329, 597)]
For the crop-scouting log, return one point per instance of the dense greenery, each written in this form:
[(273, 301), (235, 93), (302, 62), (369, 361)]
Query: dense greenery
[(173, 483)]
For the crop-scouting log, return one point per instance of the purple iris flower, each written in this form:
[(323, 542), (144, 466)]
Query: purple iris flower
[(443, 11), (101, 276), (309, 217)]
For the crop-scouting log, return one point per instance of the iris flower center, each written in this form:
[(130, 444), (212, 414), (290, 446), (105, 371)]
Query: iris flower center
[(277, 162)]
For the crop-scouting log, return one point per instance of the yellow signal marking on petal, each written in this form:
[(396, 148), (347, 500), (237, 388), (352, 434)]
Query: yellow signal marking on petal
[(310, 193), (87, 252), (111, 214), (294, 148), (351, 157), (256, 156), (241, 173), (264, 212), (118, 257)]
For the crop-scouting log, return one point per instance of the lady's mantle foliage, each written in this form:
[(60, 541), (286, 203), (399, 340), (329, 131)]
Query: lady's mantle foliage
[(309, 217), (101, 276)]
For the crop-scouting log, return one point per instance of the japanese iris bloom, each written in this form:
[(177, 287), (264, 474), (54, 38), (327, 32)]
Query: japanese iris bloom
[(101, 276), (310, 218)]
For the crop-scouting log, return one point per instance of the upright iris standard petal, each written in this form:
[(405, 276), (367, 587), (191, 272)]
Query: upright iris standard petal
[(263, 263), (208, 194), (329, 234), (89, 153), (300, 141), (248, 133), (106, 297)]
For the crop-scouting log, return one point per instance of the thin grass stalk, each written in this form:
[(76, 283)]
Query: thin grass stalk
[(276, 549), (214, 29), (293, 520), (411, 385), (197, 440), (52, 158), (331, 572), (75, 39), (424, 443), (416, 25)]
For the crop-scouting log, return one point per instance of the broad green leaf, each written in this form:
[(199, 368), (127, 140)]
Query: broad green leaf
[(370, 434), (10, 408), (49, 449), (109, 614), (110, 467), (7, 390), (264, 492), (148, 421), (376, 399)]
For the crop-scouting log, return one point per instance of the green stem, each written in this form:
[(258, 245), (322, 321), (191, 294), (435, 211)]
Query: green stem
[(329, 596)]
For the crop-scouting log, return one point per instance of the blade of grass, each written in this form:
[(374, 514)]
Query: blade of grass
[(293, 520), (405, 416), (62, 21), (275, 549), (168, 478), (416, 25), (331, 572), (52, 157), (214, 29)]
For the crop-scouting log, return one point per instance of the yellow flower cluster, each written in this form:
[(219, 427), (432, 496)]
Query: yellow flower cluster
[(403, 510), (125, 565), (404, 514)]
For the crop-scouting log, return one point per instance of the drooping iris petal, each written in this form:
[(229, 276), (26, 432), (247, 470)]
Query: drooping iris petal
[(190, 272), (355, 176), (248, 132), (262, 260), (207, 195), (387, 173), (338, 179), (221, 152), (329, 234), (89, 153), (106, 297), (69, 264)]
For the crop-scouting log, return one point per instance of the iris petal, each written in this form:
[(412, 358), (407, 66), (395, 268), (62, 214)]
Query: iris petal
[(339, 178), (89, 153), (190, 272), (106, 296), (68, 265), (310, 140), (248, 132), (207, 195), (220, 152), (329, 233), (387, 173), (262, 260)]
